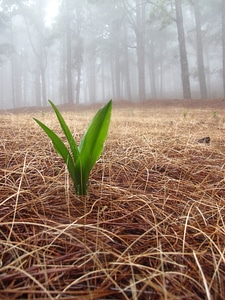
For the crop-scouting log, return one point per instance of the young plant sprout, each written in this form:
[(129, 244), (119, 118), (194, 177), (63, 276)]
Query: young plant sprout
[(81, 159), (185, 114)]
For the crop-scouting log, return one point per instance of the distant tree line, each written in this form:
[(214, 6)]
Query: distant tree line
[(122, 49)]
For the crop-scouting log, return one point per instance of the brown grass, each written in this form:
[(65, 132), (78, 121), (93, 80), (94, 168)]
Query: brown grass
[(152, 226)]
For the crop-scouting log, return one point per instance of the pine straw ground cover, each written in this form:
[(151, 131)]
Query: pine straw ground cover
[(152, 227)]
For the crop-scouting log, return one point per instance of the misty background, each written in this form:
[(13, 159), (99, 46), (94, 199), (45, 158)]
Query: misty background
[(85, 51)]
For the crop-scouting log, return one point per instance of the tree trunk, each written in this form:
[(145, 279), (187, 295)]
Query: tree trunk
[(152, 70), (140, 36), (78, 85), (69, 55), (103, 75), (127, 68), (37, 87), (117, 72), (12, 68), (62, 72), (183, 52), (92, 76), (43, 87), (42, 51), (39, 51), (223, 41), (112, 74), (200, 55), (79, 60)]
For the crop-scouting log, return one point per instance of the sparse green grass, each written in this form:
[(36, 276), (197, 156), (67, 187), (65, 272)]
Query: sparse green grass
[(152, 226)]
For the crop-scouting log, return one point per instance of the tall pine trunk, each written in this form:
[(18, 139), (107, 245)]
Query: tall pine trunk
[(140, 36), (183, 51), (69, 54), (223, 41), (126, 64), (200, 54)]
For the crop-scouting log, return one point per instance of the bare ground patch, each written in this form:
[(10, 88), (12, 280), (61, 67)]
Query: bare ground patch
[(152, 226)]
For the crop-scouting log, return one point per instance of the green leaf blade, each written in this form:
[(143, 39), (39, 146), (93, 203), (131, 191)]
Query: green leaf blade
[(92, 142), (67, 132), (59, 147)]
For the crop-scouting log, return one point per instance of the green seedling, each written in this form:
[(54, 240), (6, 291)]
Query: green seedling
[(185, 114), (214, 114), (81, 159)]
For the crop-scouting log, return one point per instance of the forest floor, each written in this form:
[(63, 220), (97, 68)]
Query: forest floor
[(153, 224)]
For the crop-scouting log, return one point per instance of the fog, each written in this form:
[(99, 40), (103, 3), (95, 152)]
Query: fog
[(85, 51)]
